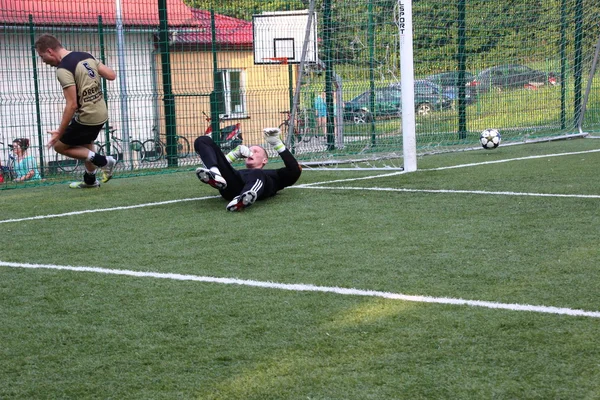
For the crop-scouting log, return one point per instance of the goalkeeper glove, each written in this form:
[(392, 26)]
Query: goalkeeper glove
[(240, 151), (272, 137)]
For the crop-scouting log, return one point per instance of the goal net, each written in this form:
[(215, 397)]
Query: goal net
[(523, 68)]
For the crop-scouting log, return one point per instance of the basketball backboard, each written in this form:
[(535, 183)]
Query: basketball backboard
[(279, 35)]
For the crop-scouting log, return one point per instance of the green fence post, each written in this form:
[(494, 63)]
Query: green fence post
[(327, 42), (563, 64), (215, 109), (371, 40), (103, 58), (291, 99), (36, 87), (165, 59), (291, 86), (577, 61), (462, 61)]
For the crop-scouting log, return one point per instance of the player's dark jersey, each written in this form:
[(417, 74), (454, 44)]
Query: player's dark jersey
[(265, 182), (276, 179), (81, 69)]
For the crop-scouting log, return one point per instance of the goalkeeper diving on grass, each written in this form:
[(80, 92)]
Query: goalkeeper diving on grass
[(245, 186)]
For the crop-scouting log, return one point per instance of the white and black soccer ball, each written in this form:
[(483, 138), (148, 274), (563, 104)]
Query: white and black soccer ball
[(490, 139)]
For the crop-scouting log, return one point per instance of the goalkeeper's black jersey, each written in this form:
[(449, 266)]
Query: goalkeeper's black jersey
[(278, 178)]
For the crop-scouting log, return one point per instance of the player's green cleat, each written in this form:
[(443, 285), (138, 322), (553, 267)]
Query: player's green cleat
[(107, 170), (83, 185)]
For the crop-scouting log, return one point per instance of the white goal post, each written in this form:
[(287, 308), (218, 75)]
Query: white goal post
[(405, 31)]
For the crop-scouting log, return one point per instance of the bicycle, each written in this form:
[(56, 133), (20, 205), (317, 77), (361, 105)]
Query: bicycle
[(67, 164), (301, 131), (156, 148), (138, 152), (231, 135), (7, 172)]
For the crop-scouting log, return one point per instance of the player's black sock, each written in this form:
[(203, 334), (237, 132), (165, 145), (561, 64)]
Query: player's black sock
[(89, 178), (98, 160)]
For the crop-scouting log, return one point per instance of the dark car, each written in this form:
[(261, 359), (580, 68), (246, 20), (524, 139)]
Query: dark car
[(388, 103), (514, 76), (425, 87), (449, 81)]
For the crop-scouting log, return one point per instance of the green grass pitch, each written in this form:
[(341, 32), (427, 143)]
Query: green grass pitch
[(516, 226)]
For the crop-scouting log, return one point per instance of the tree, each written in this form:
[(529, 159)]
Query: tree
[(245, 9), (497, 31)]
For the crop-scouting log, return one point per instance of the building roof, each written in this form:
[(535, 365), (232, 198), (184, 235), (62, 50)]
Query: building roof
[(196, 24), (69, 12), (229, 30)]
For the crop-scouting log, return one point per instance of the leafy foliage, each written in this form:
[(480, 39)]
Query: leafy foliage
[(519, 30), (245, 9)]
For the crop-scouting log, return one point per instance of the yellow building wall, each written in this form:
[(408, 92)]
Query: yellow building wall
[(267, 92)]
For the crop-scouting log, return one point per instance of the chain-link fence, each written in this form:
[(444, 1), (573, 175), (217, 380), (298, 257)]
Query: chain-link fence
[(521, 67)]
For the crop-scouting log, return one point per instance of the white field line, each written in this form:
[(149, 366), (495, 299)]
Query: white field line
[(158, 203), (310, 185), (378, 189), (299, 287), (513, 159)]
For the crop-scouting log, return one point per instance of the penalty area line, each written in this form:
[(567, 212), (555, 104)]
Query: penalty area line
[(158, 203), (299, 287), (450, 191), (477, 164)]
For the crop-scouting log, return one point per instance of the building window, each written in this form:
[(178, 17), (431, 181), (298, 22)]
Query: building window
[(231, 93)]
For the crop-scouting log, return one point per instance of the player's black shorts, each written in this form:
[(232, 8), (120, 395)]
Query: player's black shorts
[(78, 134)]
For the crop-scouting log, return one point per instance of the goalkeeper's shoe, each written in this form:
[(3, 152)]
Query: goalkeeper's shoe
[(242, 201), (210, 178), (83, 185), (107, 170)]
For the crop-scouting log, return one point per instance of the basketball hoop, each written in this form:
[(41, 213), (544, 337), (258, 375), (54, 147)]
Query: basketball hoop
[(280, 60)]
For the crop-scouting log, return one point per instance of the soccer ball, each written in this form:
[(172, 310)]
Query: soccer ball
[(490, 139)]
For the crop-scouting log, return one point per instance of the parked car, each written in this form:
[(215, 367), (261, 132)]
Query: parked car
[(388, 102), (450, 83), (514, 76), (425, 87)]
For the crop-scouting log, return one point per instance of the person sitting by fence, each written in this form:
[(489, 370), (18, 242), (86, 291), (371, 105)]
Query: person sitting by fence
[(25, 167)]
